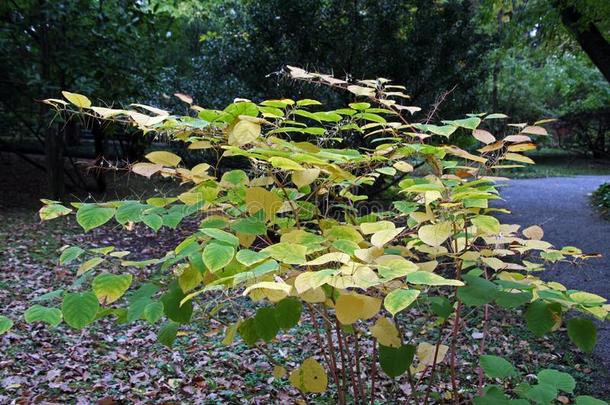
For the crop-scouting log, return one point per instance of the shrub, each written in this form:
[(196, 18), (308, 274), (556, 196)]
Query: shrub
[(601, 199), (289, 233)]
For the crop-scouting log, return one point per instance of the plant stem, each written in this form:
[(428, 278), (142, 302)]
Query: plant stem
[(333, 356), (373, 371)]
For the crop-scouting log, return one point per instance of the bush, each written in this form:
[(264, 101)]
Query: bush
[(601, 199), (289, 232)]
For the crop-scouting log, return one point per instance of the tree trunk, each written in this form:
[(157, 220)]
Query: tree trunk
[(587, 35), (54, 153)]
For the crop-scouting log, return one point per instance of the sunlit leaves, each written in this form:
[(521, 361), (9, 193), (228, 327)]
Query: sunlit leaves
[(432, 279), (257, 198), (52, 211), (309, 377), (91, 216), (217, 255), (486, 224), (386, 333), (353, 307), (302, 178), (435, 235), (164, 158), (5, 324), (244, 132), (77, 99), (70, 254), (399, 299), (288, 253), (110, 287)]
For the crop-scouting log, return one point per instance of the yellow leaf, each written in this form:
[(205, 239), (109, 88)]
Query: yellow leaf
[(403, 166), (279, 372), (483, 136), (257, 198), (518, 158), (310, 377), (244, 132), (521, 147), (314, 295), (534, 130), (146, 169), (200, 145), (352, 307), (77, 99), (435, 235), (533, 232), (302, 178), (184, 97), (285, 163), (329, 257), (386, 333), (230, 332), (164, 158), (426, 353), (382, 237), (368, 228)]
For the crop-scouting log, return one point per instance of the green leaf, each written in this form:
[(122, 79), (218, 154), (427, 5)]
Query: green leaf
[(110, 287), (486, 224), (289, 253), (542, 393), (88, 265), (496, 367), (540, 317), (265, 323), (5, 324), (428, 278), (511, 300), (153, 221), (588, 400), (249, 257), (288, 313), (395, 361), (153, 312), (468, 123), (171, 305), (130, 211), (77, 99), (79, 309), (444, 130), (53, 211), (52, 316), (399, 299), (583, 333), (253, 225), (477, 291), (70, 254), (167, 334), (221, 235), (562, 381), (248, 332), (217, 255), (234, 178), (441, 306), (91, 216)]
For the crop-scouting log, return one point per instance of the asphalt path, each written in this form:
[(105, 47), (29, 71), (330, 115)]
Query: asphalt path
[(561, 206)]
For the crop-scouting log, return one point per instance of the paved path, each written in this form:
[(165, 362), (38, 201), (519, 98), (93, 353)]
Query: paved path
[(561, 206)]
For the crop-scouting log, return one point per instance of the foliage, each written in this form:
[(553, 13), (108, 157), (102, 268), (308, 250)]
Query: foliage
[(289, 233), (601, 198)]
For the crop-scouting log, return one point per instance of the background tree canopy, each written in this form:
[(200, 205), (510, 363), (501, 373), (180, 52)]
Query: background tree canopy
[(528, 58)]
